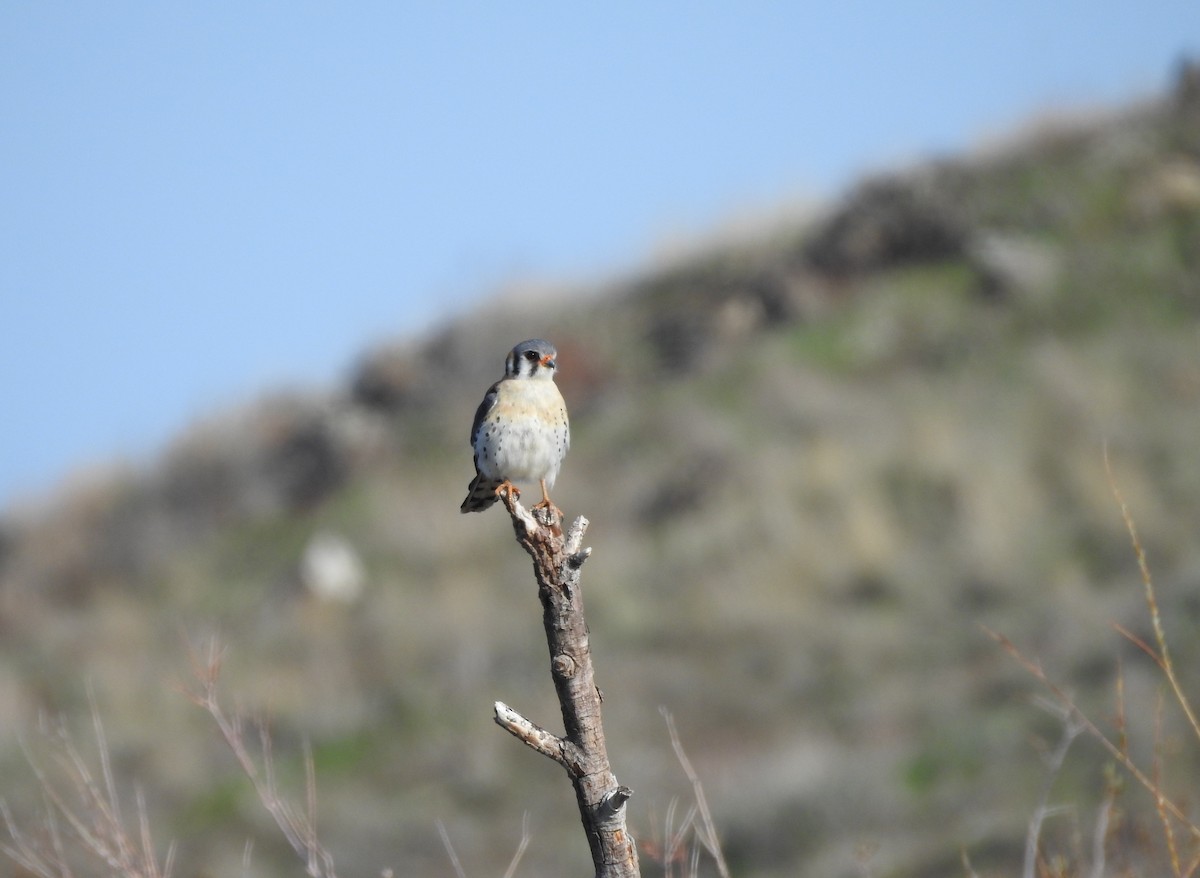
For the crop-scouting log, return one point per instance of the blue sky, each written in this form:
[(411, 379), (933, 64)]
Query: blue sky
[(202, 201)]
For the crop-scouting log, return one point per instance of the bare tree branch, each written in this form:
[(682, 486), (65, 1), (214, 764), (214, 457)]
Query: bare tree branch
[(557, 562)]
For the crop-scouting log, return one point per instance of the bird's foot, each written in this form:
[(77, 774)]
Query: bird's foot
[(554, 511), (546, 504), (508, 489)]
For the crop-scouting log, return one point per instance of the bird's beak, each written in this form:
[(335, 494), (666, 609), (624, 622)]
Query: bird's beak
[(548, 361)]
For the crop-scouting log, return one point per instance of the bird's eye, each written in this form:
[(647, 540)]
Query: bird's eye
[(532, 356)]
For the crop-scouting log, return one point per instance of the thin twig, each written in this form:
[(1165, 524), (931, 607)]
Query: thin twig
[(534, 736), (671, 839), (1116, 752), (694, 863), (671, 849), (298, 829), (1100, 834), (521, 847), (1120, 722), (1192, 866), (707, 829), (454, 863), (94, 822), (966, 864), (1071, 729), (1156, 775), (1160, 636)]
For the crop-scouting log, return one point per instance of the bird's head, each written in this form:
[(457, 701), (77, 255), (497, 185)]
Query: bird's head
[(535, 358)]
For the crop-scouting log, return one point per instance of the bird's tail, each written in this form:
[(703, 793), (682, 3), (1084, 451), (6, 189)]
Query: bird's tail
[(480, 495)]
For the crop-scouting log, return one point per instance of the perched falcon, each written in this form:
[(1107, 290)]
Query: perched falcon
[(520, 431)]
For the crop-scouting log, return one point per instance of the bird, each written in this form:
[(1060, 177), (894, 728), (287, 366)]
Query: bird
[(521, 432)]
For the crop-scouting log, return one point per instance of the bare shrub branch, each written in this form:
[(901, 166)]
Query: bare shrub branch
[(1117, 752), (455, 864), (450, 852), (1071, 729), (1163, 656), (1171, 815), (298, 827), (706, 828), (82, 820)]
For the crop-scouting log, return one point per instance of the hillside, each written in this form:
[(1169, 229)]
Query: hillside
[(815, 464)]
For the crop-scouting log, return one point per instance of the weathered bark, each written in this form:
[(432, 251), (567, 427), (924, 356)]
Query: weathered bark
[(557, 560)]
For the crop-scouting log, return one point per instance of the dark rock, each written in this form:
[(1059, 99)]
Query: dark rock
[(888, 222)]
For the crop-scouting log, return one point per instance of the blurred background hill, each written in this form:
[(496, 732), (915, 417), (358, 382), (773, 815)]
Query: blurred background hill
[(816, 457), (202, 203)]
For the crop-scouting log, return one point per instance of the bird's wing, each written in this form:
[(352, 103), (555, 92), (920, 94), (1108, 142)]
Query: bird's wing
[(489, 403)]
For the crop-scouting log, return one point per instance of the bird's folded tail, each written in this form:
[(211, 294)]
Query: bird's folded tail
[(480, 495)]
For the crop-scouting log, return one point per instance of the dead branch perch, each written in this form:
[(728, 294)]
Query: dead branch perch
[(557, 560)]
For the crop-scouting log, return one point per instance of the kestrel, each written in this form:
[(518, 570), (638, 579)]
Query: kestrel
[(521, 430)]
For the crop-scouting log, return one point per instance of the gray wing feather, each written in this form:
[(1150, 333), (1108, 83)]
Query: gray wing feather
[(485, 407)]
